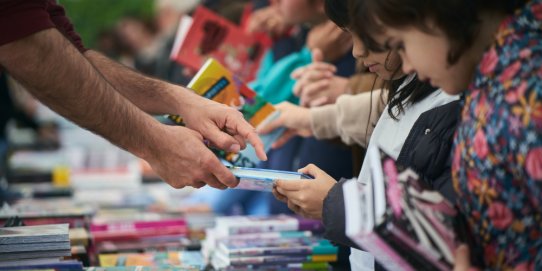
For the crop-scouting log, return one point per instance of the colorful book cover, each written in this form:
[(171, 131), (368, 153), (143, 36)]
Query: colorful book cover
[(138, 230), (411, 229), (211, 35), (215, 82), (189, 259)]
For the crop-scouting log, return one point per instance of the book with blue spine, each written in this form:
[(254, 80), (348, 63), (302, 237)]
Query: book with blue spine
[(259, 179)]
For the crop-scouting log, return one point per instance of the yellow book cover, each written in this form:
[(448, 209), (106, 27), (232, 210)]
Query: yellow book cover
[(215, 82)]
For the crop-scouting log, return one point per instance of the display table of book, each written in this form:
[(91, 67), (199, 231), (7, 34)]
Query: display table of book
[(123, 239)]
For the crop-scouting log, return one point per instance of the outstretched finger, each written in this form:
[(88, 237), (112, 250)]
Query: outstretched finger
[(246, 131)]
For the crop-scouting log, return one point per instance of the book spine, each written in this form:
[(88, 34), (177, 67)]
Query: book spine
[(137, 225)]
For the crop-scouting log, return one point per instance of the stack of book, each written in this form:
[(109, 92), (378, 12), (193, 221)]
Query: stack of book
[(262, 243), (36, 247), (399, 220), (139, 235), (188, 260), (49, 211)]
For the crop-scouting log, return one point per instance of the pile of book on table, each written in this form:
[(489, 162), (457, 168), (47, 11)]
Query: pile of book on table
[(36, 247), (263, 243)]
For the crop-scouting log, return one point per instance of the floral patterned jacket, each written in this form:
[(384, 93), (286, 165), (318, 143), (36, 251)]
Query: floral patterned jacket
[(497, 163)]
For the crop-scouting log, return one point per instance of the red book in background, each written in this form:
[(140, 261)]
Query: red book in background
[(211, 35)]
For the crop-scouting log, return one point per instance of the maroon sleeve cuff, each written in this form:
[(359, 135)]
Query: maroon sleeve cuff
[(64, 25), (19, 19)]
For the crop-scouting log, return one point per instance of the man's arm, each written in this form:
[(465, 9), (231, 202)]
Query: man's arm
[(150, 95), (223, 126), (59, 76)]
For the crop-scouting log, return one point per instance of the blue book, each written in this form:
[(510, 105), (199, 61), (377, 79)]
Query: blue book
[(258, 179)]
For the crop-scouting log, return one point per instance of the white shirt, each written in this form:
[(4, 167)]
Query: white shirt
[(390, 135)]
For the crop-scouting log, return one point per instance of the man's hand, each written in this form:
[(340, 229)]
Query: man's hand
[(295, 118), (223, 126), (305, 197), (316, 83), (181, 159)]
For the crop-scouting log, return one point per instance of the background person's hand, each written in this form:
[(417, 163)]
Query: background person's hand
[(224, 127), (305, 197), (316, 84), (294, 118), (181, 159), (267, 20), (331, 39)]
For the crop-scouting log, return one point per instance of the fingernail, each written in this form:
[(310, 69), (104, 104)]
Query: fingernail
[(235, 148)]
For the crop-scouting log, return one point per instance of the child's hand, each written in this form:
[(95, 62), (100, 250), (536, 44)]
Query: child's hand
[(295, 118), (316, 83), (305, 197)]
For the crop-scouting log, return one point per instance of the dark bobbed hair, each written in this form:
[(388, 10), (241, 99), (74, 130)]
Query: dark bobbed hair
[(413, 92), (458, 19)]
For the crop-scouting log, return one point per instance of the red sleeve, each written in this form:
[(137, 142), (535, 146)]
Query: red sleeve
[(19, 19), (64, 25)]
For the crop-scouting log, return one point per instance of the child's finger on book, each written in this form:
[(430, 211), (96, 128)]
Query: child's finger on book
[(284, 186), (312, 170), (278, 195)]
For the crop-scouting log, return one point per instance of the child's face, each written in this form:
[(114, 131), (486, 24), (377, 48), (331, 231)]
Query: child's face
[(426, 54), (300, 11), (386, 64)]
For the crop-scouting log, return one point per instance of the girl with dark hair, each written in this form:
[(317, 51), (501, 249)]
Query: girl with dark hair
[(408, 99), (492, 52)]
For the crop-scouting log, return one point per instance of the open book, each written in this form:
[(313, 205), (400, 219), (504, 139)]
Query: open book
[(262, 179), (396, 218), (215, 82)]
